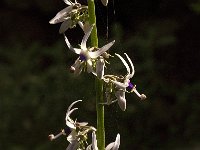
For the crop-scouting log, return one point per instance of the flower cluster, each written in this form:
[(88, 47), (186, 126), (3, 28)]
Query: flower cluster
[(78, 131), (92, 60), (78, 135)]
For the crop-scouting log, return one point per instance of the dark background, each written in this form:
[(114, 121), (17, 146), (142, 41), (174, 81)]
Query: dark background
[(162, 37)]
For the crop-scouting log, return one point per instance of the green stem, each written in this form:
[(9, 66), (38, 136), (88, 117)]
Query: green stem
[(100, 115), (92, 20), (98, 82)]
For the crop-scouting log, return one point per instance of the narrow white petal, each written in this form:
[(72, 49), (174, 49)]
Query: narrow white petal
[(68, 2), (70, 125), (72, 104), (104, 2), (80, 24), (132, 67), (124, 62), (117, 142), (101, 50), (75, 50), (85, 27), (89, 66), (110, 146), (65, 25), (85, 38), (69, 121), (94, 141), (89, 147), (114, 145), (100, 64), (82, 123), (61, 15)]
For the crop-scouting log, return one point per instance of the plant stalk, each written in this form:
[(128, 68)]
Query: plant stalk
[(98, 82)]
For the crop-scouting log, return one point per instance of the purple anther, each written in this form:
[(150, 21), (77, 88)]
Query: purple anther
[(82, 57), (130, 85)]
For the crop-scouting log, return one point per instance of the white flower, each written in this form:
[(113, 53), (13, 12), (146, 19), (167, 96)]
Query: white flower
[(88, 55), (79, 130), (122, 83), (70, 16), (104, 2), (73, 124)]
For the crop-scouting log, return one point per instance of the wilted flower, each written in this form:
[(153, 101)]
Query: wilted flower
[(87, 56), (70, 16), (78, 130), (121, 83), (111, 146)]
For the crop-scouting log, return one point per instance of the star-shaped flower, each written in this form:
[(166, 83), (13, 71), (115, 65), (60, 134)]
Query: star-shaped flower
[(78, 130), (87, 56), (70, 16), (122, 83)]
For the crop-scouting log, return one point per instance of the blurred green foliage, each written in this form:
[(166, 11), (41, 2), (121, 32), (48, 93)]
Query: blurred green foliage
[(36, 87)]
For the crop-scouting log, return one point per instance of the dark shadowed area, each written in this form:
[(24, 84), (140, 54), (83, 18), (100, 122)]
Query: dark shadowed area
[(162, 37)]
